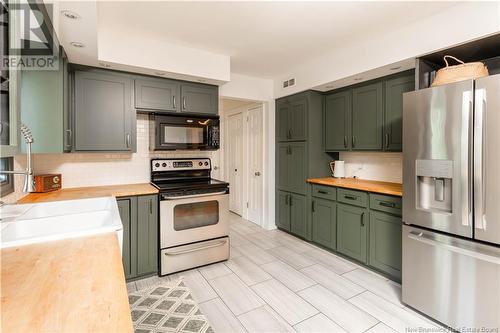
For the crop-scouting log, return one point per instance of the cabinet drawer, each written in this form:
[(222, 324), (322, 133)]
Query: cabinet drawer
[(352, 197), (385, 203), (325, 192)]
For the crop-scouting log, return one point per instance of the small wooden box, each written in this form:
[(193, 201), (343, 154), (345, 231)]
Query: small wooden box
[(48, 182)]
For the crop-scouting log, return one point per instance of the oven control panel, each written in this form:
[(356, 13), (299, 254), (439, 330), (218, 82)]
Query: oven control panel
[(180, 164)]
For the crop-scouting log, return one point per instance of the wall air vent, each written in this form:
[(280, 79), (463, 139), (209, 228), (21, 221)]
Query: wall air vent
[(289, 83)]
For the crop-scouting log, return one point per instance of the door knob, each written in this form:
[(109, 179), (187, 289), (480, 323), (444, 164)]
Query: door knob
[(235, 170), (257, 173)]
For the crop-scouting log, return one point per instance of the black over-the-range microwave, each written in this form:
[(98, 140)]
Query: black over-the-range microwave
[(172, 132)]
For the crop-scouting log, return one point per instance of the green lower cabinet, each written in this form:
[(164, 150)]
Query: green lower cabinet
[(385, 243), (324, 222), (147, 234), (139, 217), (283, 210), (352, 223), (126, 208), (298, 215)]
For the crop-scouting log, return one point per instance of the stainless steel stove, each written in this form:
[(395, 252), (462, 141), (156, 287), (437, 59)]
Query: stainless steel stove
[(194, 214)]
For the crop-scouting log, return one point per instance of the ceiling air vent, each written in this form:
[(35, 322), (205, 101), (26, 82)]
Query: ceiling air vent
[(289, 83)]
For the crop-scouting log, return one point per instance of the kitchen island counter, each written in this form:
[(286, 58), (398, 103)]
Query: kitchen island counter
[(70, 285)]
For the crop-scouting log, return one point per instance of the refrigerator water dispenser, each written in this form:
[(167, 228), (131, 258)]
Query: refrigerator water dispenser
[(434, 185)]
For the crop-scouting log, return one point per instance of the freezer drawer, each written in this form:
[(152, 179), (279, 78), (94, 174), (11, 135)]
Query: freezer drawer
[(451, 280), (184, 257)]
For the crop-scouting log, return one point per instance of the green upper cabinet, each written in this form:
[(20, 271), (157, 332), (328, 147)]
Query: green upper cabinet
[(298, 216), (393, 117), (291, 167), (338, 121), (367, 117), (324, 222), (385, 243), (104, 117), (297, 120), (282, 127), (283, 210), (44, 107), (291, 119), (199, 98), (158, 95), (147, 234), (352, 226)]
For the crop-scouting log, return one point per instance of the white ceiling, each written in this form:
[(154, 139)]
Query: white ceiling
[(264, 39)]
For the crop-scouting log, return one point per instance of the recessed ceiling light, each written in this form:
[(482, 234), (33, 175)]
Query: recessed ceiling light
[(104, 65), (77, 44), (395, 68), (159, 73), (358, 78), (71, 15)]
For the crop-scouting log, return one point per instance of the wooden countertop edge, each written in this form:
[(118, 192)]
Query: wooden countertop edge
[(43, 281), (117, 191), (373, 186)]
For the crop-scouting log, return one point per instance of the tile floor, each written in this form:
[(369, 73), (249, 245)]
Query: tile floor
[(275, 282)]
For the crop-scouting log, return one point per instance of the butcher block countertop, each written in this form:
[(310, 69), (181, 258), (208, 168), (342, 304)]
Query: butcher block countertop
[(71, 285), (90, 192), (361, 184)]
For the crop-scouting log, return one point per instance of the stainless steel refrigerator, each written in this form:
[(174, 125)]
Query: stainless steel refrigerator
[(451, 202)]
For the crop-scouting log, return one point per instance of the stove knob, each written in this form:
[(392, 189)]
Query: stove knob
[(157, 165), (200, 163), (206, 163), (164, 164)]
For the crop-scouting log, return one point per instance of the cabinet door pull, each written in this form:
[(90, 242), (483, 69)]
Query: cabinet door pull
[(387, 140), (289, 134), (69, 138), (323, 192), (128, 140), (291, 202), (173, 101), (350, 197), (363, 219), (345, 141), (313, 206), (286, 200), (184, 103), (150, 206), (353, 141), (387, 204)]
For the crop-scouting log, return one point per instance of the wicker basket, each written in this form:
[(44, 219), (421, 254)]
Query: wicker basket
[(464, 71)]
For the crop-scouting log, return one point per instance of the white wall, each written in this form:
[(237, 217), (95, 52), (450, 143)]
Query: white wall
[(458, 24), (247, 87)]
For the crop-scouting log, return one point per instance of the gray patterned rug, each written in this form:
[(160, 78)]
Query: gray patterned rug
[(168, 307)]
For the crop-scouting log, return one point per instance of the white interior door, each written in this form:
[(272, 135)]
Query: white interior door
[(235, 162), (255, 164)]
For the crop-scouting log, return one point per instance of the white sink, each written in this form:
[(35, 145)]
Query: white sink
[(35, 223)]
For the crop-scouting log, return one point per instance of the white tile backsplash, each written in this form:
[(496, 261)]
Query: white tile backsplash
[(94, 169), (374, 166)]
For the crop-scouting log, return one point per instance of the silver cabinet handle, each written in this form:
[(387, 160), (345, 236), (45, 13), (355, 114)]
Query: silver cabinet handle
[(313, 206), (353, 141), (386, 140), (430, 240), (150, 206), (345, 141), (184, 103), (194, 249), (128, 140), (69, 138), (173, 101), (363, 219)]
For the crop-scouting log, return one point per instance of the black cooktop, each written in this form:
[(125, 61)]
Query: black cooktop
[(190, 185)]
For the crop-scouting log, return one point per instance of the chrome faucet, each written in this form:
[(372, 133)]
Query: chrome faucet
[(29, 180)]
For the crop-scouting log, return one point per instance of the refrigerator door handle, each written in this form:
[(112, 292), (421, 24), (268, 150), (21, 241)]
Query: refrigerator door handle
[(479, 174), (466, 153), (431, 240)]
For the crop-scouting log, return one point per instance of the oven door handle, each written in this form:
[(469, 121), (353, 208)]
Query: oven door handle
[(194, 249), (193, 196)]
